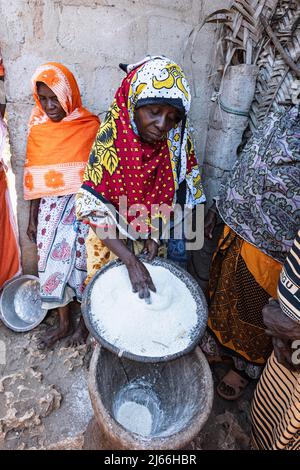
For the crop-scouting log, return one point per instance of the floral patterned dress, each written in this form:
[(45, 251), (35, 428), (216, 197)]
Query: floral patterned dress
[(61, 251)]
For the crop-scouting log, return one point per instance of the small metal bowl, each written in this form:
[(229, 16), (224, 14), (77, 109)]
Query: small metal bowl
[(184, 276), (21, 304)]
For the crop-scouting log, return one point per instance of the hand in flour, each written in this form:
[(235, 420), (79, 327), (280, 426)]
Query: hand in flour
[(140, 278), (150, 249)]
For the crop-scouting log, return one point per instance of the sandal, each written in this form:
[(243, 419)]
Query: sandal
[(232, 386)]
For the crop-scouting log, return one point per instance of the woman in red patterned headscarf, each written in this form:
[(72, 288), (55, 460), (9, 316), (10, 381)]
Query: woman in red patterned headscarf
[(143, 153)]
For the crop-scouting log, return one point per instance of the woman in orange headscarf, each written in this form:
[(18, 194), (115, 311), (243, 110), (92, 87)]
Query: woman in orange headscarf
[(61, 133)]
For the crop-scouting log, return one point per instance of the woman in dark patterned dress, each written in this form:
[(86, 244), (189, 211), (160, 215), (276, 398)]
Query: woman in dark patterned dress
[(260, 206)]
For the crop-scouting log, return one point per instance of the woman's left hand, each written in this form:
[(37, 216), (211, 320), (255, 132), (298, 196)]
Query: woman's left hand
[(150, 249), (140, 278)]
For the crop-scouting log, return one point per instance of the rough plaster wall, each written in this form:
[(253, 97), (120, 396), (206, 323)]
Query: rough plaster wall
[(91, 37)]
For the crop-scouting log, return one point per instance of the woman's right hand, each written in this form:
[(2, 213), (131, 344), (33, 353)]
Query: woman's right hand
[(33, 220), (32, 231), (140, 278), (210, 223), (138, 274)]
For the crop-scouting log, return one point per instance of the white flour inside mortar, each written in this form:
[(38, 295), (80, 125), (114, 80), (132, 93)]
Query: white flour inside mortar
[(126, 321), (135, 417)]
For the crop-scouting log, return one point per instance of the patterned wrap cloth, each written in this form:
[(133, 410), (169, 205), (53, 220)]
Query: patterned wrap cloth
[(61, 251), (120, 164)]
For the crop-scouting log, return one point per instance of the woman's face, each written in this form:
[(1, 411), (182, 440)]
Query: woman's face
[(154, 121), (50, 103)]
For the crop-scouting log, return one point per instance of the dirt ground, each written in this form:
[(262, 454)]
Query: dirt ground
[(228, 426), (44, 399)]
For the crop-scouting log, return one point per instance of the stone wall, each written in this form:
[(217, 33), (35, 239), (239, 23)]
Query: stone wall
[(91, 37)]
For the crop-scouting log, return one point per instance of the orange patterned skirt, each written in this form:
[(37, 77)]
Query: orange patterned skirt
[(242, 279)]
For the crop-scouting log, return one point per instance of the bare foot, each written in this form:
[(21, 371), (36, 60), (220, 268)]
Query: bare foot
[(79, 336), (52, 335)]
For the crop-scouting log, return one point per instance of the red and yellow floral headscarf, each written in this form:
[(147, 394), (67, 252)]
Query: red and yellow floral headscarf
[(57, 152)]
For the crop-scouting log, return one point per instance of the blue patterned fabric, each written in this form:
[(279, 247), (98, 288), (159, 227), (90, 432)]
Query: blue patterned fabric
[(177, 252)]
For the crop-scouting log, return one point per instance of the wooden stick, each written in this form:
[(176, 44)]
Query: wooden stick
[(279, 47)]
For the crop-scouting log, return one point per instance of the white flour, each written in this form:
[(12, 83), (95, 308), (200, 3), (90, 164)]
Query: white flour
[(126, 321), (135, 417)]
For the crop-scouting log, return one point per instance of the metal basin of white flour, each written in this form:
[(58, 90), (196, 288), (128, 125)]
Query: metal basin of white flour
[(164, 329)]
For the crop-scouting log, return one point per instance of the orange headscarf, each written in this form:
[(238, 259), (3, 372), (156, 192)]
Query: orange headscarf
[(57, 152)]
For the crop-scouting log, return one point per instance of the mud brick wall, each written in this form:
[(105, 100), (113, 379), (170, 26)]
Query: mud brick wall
[(92, 37)]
